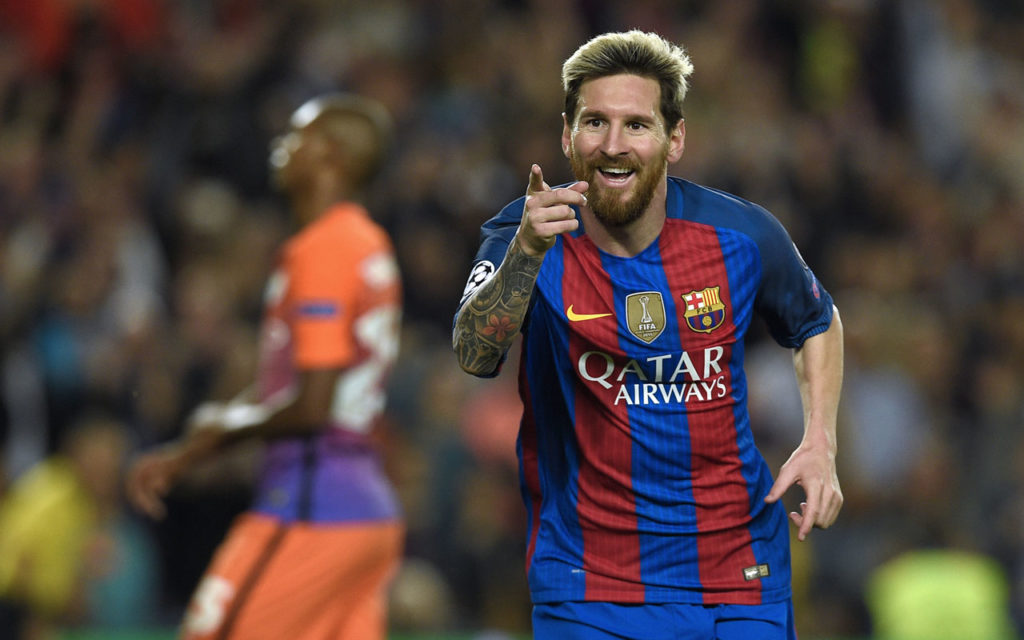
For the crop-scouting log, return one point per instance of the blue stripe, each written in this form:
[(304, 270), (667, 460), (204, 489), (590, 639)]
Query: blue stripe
[(318, 309), (558, 461), (743, 268), (661, 449)]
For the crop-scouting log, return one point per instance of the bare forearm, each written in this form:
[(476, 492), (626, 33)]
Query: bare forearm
[(819, 372), (489, 321), (300, 411)]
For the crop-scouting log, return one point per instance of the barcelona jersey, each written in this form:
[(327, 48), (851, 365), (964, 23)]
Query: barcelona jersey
[(637, 461)]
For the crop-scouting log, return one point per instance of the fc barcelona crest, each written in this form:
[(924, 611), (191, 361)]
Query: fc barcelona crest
[(645, 315), (704, 310)]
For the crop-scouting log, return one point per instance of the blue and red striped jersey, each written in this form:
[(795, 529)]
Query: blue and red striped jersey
[(637, 462)]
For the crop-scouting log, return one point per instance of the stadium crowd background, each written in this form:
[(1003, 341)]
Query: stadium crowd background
[(137, 227)]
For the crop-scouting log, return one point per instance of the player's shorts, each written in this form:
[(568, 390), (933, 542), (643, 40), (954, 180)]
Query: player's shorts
[(300, 581), (668, 621)]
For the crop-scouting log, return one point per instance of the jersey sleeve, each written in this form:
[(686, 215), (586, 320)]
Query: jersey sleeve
[(495, 236), (794, 305), (323, 295)]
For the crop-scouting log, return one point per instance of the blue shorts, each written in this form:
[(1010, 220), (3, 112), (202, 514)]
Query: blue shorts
[(666, 621)]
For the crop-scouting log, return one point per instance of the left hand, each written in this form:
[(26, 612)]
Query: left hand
[(814, 469)]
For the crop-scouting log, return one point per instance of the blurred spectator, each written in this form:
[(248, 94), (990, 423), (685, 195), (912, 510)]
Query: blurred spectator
[(70, 554), (940, 593)]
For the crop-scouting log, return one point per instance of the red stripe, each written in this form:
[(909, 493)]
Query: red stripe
[(693, 261), (606, 504), (531, 473)]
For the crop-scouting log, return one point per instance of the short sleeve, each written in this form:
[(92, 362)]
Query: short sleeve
[(794, 305), (322, 294), (495, 236)]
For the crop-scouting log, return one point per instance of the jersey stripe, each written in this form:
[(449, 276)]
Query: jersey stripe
[(528, 470), (768, 522), (661, 448), (720, 490), (606, 505), (557, 555)]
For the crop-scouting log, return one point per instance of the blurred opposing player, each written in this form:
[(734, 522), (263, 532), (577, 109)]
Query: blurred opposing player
[(313, 556), (652, 514)]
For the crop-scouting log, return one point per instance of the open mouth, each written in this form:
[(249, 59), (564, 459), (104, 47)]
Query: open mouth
[(616, 175)]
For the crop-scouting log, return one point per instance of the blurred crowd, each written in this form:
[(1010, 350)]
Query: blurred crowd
[(137, 227)]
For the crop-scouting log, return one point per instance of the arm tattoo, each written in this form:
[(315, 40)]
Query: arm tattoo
[(493, 315)]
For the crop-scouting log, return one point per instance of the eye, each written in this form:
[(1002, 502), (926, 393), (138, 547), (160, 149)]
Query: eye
[(636, 126), (592, 123)]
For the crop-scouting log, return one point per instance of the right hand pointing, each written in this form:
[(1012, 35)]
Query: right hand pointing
[(547, 213)]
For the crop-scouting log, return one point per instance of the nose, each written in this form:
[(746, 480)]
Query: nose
[(614, 142), (278, 153), (282, 148)]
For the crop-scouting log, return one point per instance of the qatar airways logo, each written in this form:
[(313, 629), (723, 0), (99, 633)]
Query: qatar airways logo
[(662, 379)]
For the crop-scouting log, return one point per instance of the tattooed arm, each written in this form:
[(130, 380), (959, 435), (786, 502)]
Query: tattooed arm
[(490, 319), (492, 316)]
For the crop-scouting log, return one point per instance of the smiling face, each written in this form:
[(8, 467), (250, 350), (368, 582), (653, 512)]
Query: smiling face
[(618, 142)]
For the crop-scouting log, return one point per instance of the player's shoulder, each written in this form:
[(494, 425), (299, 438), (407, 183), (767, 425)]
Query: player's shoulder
[(345, 229), (702, 200), (509, 215), (721, 209)]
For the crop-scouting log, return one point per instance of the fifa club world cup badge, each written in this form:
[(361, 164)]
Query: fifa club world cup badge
[(645, 315), (705, 310)]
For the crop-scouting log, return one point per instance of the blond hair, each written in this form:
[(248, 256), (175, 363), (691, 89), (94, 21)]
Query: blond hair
[(635, 52)]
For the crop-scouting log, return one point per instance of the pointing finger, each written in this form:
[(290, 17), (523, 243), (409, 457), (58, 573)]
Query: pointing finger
[(537, 183)]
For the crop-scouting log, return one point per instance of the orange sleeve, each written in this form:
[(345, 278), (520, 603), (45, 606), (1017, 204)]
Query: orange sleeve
[(338, 269), (323, 291)]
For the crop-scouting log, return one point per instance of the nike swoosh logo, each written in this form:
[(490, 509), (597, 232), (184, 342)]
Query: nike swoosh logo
[(577, 317)]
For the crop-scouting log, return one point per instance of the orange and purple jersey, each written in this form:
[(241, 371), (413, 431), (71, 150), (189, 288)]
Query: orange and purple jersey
[(333, 302), (637, 460), (313, 557)]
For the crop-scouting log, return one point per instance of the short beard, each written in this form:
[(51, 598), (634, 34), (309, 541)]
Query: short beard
[(608, 206)]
